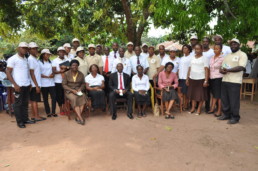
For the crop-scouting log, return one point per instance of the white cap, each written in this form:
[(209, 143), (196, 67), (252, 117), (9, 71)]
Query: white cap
[(98, 45), (76, 40), (23, 44), (79, 49), (217, 35), (33, 45), (129, 43), (235, 40), (91, 46), (46, 51), (67, 45), (144, 44), (172, 48), (194, 37), (60, 48)]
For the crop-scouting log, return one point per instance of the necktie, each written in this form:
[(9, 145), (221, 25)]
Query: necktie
[(106, 65), (121, 83), (138, 60), (115, 54)]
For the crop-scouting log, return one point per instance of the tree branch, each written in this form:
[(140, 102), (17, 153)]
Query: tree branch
[(228, 9)]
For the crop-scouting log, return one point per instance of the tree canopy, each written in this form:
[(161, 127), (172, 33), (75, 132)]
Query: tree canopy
[(99, 21)]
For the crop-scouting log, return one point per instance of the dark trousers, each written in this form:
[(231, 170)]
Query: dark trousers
[(230, 98), (106, 84), (208, 101), (112, 101), (21, 105), (59, 94), (45, 92)]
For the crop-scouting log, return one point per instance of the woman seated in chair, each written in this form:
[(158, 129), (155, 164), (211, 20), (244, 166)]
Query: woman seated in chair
[(141, 85), (95, 86), (74, 85), (168, 81)]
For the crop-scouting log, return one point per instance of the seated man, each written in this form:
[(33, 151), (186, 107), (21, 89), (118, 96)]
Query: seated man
[(119, 84)]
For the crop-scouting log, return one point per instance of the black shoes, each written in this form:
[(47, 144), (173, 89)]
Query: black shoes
[(223, 118), (21, 125), (37, 120), (130, 116), (29, 122), (232, 121), (114, 117)]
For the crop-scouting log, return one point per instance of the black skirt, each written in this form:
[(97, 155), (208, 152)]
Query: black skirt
[(97, 99), (183, 85), (169, 95), (215, 85), (142, 99)]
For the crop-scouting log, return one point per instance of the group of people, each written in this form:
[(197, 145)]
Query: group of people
[(103, 76)]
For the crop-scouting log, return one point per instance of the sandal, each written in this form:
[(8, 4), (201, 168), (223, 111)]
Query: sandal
[(139, 115), (172, 117), (167, 117)]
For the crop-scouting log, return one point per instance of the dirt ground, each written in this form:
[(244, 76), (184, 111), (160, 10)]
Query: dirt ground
[(189, 142)]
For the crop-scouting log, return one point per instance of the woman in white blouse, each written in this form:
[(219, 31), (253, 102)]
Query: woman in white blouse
[(182, 72), (47, 83), (95, 86), (197, 79), (141, 85)]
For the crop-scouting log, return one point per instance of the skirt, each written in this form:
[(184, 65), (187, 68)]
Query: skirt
[(215, 85), (76, 100), (98, 99), (183, 85), (171, 95), (142, 99), (196, 91)]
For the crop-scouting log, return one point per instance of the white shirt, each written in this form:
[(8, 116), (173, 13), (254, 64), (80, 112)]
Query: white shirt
[(165, 56), (20, 71), (143, 62), (55, 63), (97, 81), (110, 62), (225, 50), (46, 69), (192, 53), (34, 65), (126, 65), (123, 85), (176, 62), (112, 54), (197, 67), (184, 66), (249, 66), (140, 84), (146, 55), (209, 54), (70, 56)]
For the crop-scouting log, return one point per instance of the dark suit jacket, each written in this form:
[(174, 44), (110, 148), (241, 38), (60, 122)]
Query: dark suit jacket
[(113, 81)]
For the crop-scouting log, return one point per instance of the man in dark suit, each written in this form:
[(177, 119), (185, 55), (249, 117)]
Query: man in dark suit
[(119, 85)]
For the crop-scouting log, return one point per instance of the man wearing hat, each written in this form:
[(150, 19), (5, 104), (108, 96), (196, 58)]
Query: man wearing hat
[(145, 50), (193, 42), (94, 58), (154, 63), (114, 54), (130, 52), (233, 67), (68, 53), (218, 40), (76, 44), (59, 71), (18, 74), (81, 58), (35, 79)]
